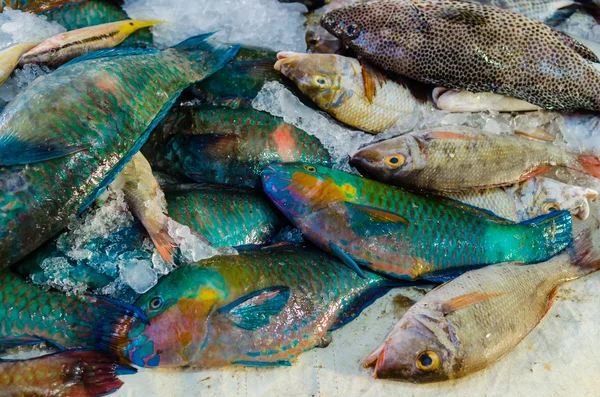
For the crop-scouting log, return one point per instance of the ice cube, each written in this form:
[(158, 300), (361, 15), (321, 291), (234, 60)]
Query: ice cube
[(19, 27), (263, 23), (20, 79), (138, 274)]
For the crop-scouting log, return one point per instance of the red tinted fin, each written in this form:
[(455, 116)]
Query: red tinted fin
[(584, 256), (93, 373), (539, 134), (164, 243), (551, 299), (462, 301), (538, 171), (373, 79), (451, 135), (590, 164)]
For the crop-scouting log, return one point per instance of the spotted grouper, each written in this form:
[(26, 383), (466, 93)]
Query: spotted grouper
[(472, 47), (67, 136)]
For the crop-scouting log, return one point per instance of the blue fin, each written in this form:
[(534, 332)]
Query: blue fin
[(366, 221), (347, 259), (443, 276), (357, 307), (544, 218), (33, 147), (255, 310), (278, 363), (112, 174), (194, 42), (110, 53)]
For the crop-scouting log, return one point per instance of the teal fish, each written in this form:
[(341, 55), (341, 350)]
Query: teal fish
[(260, 308), (228, 146), (403, 234), (66, 137), (34, 5), (30, 315)]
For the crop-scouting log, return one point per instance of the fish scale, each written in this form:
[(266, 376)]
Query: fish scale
[(400, 233), (322, 293), (104, 105)]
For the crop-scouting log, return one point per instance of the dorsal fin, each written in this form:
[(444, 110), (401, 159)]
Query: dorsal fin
[(579, 48)]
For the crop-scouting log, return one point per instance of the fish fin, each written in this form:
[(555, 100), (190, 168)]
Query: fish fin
[(461, 16), (33, 147), (584, 256), (361, 304), (112, 174), (346, 259), (278, 363), (579, 48), (417, 16), (371, 359), (164, 243), (110, 53), (450, 135), (475, 211), (443, 276), (539, 134), (590, 164), (546, 235), (255, 310), (214, 145), (378, 214), (115, 320), (373, 79), (8, 343), (462, 301), (235, 102), (551, 298), (535, 172)]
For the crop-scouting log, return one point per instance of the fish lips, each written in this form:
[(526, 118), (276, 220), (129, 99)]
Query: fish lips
[(366, 162), (275, 180)]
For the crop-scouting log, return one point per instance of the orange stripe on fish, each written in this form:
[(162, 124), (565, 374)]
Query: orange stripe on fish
[(462, 301), (451, 135), (285, 143)]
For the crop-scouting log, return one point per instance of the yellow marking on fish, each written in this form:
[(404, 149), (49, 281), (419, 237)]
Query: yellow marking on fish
[(349, 190), (208, 294), (420, 267)]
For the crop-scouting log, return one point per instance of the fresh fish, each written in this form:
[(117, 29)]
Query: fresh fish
[(354, 93), (228, 146), (65, 46), (471, 322), (402, 234), (530, 199), (35, 5), (460, 158), (464, 101), (225, 216), (66, 137), (9, 59), (310, 4), (30, 315), (551, 12), (96, 12), (470, 47), (318, 39), (69, 374), (147, 202), (260, 308)]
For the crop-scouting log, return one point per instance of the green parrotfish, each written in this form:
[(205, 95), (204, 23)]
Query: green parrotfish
[(66, 137), (403, 234), (260, 308)]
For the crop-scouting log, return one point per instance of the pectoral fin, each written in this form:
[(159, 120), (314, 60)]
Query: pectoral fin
[(33, 148), (255, 310), (462, 301), (346, 259), (579, 48), (451, 135), (373, 79)]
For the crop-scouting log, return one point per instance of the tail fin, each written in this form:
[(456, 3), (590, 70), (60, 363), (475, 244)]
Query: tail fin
[(202, 55), (164, 243), (114, 322), (547, 235), (590, 164), (584, 257)]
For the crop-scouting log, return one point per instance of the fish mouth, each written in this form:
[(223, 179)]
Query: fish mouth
[(364, 162), (290, 65), (275, 179)]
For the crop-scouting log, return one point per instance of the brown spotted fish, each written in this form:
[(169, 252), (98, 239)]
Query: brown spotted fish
[(471, 47)]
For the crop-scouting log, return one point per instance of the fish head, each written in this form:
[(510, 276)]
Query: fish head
[(551, 195), (299, 189), (392, 158), (320, 41), (324, 78), (413, 352), (178, 310)]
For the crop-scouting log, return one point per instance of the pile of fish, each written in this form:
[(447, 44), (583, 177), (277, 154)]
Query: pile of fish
[(202, 196)]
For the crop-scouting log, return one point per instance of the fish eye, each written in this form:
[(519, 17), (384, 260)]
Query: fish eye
[(321, 82), (310, 168), (550, 207), (156, 303), (428, 361), (394, 161), (352, 31), (312, 41)]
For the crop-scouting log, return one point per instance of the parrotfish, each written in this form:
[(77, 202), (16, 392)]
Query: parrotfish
[(460, 158), (95, 12), (35, 5), (466, 46), (260, 308), (69, 374), (9, 59), (66, 137), (225, 216), (354, 93), (403, 234), (228, 146), (473, 321), (31, 315), (551, 12), (530, 199), (65, 46)]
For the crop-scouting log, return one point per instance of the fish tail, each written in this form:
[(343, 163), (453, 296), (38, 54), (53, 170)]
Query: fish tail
[(590, 164), (546, 236), (114, 322), (96, 373), (202, 55), (164, 243), (584, 257)]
